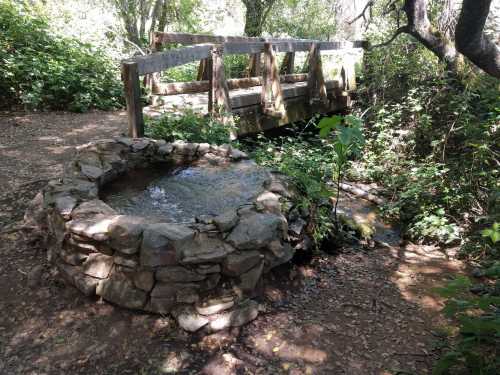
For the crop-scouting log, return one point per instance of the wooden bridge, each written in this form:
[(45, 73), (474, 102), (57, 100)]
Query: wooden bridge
[(270, 96)]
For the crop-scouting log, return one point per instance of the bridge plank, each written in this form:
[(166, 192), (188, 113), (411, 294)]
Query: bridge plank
[(157, 62)]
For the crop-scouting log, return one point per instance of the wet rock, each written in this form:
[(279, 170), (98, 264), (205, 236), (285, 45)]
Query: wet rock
[(238, 263), (140, 145), (239, 316), (189, 319), (162, 305), (160, 242), (214, 305), (256, 231), (98, 265), (203, 249), (125, 233), (178, 274), (226, 221)]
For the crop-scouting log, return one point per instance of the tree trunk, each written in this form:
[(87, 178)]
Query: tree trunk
[(254, 18)]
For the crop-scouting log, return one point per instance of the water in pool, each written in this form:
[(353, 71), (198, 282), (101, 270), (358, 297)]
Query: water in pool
[(178, 196)]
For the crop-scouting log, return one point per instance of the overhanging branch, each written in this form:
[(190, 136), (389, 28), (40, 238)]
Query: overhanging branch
[(401, 30)]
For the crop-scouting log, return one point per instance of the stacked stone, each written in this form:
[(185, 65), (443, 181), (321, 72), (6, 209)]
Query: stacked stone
[(203, 273)]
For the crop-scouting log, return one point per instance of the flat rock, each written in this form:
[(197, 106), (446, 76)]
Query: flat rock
[(178, 274), (203, 249), (206, 269), (239, 316), (89, 209), (98, 265), (144, 280), (160, 242), (125, 233), (256, 231), (226, 221), (237, 263), (96, 228), (189, 319), (214, 305), (121, 291)]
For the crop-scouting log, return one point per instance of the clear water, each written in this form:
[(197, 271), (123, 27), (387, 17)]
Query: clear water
[(180, 196)]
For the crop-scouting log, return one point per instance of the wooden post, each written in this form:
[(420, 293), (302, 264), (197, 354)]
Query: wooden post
[(271, 95), (218, 94), (130, 77), (315, 79), (288, 63)]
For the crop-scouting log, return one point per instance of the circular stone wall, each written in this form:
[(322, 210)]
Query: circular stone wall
[(204, 273)]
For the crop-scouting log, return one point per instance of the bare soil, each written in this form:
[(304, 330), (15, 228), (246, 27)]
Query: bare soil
[(363, 311)]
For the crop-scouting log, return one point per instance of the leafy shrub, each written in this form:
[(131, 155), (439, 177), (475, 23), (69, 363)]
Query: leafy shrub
[(431, 141), (42, 70), (478, 316), (188, 126)]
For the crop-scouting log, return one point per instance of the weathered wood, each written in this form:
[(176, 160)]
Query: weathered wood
[(272, 99), (203, 73), (193, 87), (188, 39), (219, 92), (132, 91), (288, 63), (254, 66), (163, 60), (249, 99), (316, 80)]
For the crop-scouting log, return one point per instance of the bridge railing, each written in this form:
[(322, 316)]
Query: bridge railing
[(211, 76)]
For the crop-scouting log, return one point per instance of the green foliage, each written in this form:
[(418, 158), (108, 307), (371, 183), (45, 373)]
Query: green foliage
[(492, 233), (310, 19), (42, 70), (188, 126), (348, 142), (183, 73), (478, 341), (235, 66), (431, 141), (307, 161)]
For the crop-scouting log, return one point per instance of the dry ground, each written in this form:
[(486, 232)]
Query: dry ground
[(364, 311)]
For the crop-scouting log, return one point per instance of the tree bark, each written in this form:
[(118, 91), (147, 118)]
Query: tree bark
[(470, 39), (421, 29)]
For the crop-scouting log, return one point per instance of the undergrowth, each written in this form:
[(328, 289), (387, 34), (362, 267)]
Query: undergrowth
[(42, 70)]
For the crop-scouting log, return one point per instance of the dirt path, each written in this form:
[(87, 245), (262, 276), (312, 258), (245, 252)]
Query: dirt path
[(364, 311)]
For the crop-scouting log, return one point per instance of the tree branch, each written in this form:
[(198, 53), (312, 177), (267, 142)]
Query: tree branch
[(362, 14), (401, 30), (470, 39)]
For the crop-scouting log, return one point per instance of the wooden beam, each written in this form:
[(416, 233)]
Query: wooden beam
[(132, 91), (157, 62), (203, 73), (272, 99), (316, 80)]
